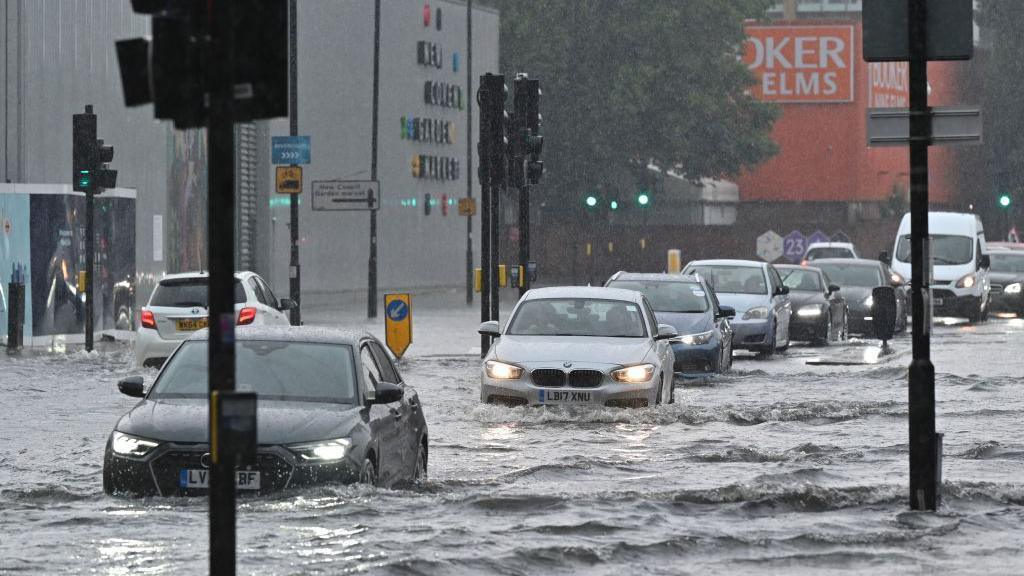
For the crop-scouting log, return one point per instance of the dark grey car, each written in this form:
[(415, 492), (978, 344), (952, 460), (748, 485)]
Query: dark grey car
[(332, 408)]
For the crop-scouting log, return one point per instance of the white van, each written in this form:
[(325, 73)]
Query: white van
[(960, 262)]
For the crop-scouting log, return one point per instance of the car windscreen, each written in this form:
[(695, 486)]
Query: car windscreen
[(1012, 263), (946, 250), (184, 292), (274, 370), (853, 275), (801, 280), (733, 279), (666, 296), (578, 317), (830, 252)]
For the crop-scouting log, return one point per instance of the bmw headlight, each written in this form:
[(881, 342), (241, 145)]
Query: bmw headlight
[(128, 445), (695, 339), (502, 371), (869, 301), (756, 313), (322, 451), (809, 311), (634, 374), (1012, 288)]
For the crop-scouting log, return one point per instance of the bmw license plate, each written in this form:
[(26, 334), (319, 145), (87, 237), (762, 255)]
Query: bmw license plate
[(563, 396), (244, 479)]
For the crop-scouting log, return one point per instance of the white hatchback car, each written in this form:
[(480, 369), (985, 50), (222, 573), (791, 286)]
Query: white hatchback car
[(178, 307)]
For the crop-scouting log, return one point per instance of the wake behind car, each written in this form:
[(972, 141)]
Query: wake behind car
[(179, 306), (331, 408), (687, 303), (579, 345), (755, 291), (857, 278), (820, 314)]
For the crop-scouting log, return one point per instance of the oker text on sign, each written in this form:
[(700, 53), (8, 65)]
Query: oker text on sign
[(802, 64)]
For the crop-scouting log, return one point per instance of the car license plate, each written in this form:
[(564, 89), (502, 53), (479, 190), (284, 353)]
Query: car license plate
[(244, 479), (562, 396), (191, 324)]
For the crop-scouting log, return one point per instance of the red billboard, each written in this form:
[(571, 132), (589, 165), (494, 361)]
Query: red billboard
[(805, 64)]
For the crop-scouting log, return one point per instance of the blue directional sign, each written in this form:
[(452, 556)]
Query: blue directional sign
[(289, 149), (794, 245), (397, 310), (398, 323), (818, 236)]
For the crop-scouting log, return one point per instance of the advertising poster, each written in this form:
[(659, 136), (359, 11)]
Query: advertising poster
[(14, 250)]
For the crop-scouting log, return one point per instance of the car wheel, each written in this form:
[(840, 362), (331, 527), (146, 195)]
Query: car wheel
[(368, 474), (769, 350), (844, 335), (829, 332), (672, 391), (420, 474), (661, 391)]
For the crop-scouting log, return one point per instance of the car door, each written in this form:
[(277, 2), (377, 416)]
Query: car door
[(383, 431), (662, 348), (781, 305), (723, 325), (408, 414)]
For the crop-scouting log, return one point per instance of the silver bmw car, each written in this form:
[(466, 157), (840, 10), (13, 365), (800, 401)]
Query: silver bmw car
[(578, 345)]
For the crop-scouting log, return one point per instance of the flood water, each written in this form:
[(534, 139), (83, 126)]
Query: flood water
[(778, 468)]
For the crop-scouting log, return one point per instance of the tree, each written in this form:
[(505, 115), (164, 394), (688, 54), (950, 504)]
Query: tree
[(638, 79)]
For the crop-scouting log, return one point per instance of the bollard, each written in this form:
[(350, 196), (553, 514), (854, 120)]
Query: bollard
[(675, 261)]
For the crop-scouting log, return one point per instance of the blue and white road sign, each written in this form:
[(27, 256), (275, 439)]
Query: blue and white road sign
[(289, 149), (397, 310)]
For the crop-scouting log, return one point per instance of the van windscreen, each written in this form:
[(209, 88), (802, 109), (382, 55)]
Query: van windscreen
[(946, 250)]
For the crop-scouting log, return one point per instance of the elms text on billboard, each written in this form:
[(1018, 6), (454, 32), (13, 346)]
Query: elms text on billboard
[(801, 64)]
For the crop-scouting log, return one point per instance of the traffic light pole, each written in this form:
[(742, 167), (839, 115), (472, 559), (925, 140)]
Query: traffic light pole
[(221, 256), (90, 261), (524, 237), (371, 293), (925, 445), (469, 150), (294, 269)]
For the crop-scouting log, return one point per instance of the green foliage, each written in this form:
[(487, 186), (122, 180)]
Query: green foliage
[(621, 79)]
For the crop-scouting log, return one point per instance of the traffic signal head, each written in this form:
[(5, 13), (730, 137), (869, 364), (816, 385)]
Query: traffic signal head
[(643, 198), (591, 200), (614, 205), (83, 127), (1004, 200)]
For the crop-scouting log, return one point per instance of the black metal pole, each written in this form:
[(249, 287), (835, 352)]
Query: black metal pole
[(371, 295), (924, 445), (469, 149), (524, 236), (90, 260), (486, 189), (495, 227), (294, 269), (221, 256)]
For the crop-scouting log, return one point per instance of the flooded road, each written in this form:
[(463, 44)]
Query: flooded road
[(778, 468)]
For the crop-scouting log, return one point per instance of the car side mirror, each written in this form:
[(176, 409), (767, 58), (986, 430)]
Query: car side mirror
[(984, 262), (666, 332), (285, 304), (833, 288), (387, 393), (131, 386), (491, 328), (726, 312), (782, 291)]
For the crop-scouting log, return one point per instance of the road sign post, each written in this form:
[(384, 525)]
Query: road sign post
[(397, 323)]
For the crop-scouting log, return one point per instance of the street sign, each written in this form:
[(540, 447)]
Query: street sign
[(346, 195), (818, 236), (398, 323), (289, 149), (769, 246), (289, 179), (950, 125), (467, 206), (794, 245), (950, 30)]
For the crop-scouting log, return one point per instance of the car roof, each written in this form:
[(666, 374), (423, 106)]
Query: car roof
[(655, 276), (830, 245), (319, 335), (201, 274), (727, 262), (848, 261), (596, 292), (947, 222)]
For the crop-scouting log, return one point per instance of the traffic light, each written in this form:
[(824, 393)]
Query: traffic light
[(493, 145), (171, 69), (1004, 200), (534, 141), (643, 198), (89, 157), (614, 204), (590, 200), (527, 143)]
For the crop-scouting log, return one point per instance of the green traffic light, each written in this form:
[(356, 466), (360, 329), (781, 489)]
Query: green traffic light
[(84, 178), (1004, 200), (614, 205), (591, 201), (643, 199)]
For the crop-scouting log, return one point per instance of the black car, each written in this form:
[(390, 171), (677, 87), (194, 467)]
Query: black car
[(819, 308), (688, 304), (857, 278), (1006, 276), (332, 408)]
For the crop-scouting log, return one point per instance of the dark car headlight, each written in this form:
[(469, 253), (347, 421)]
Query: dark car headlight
[(1013, 288), (694, 339), (128, 445), (322, 450)]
